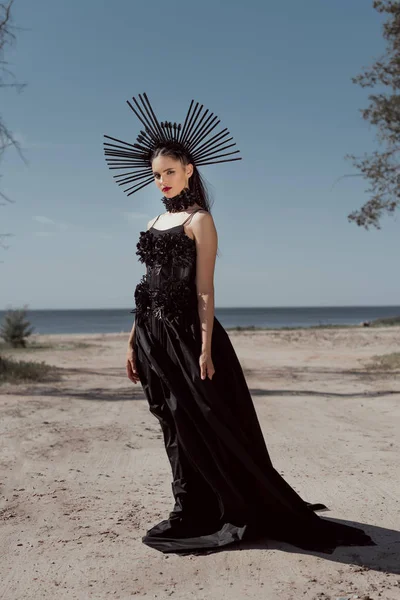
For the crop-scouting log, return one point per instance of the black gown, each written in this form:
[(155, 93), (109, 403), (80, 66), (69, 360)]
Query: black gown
[(223, 482)]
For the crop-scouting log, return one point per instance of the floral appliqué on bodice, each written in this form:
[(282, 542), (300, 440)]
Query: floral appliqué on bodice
[(168, 288)]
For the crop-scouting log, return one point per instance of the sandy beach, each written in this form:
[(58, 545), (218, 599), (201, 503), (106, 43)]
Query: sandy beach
[(84, 472)]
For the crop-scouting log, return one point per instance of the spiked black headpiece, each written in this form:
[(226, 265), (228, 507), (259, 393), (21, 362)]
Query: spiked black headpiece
[(193, 139)]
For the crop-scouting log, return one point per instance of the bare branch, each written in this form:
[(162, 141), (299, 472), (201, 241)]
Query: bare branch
[(344, 177), (7, 38)]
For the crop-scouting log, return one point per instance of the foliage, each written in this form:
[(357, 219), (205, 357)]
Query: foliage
[(382, 168), (16, 328)]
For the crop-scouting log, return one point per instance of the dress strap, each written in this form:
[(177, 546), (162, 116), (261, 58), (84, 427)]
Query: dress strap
[(156, 220), (191, 215)]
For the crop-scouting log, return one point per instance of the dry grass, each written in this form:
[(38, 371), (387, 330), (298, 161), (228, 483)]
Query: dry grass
[(385, 361), (21, 371)]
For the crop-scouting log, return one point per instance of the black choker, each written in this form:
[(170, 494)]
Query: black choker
[(180, 202)]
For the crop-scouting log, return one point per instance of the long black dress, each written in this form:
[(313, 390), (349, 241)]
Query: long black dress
[(224, 485)]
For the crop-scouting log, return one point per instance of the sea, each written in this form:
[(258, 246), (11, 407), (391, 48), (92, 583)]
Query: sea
[(118, 320)]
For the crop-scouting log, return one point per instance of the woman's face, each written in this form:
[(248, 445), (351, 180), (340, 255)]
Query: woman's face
[(171, 175)]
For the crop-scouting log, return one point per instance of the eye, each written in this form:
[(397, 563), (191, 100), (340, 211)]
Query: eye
[(170, 172)]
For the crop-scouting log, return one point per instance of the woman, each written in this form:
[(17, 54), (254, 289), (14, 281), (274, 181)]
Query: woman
[(224, 485)]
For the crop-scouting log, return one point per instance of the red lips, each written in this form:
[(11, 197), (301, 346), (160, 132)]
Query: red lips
[(166, 189)]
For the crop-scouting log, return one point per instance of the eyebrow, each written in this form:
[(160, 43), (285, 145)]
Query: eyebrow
[(169, 169)]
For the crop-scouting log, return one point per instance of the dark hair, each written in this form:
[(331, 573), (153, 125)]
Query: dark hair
[(197, 184)]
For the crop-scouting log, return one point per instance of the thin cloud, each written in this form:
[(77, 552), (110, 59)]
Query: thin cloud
[(44, 220), (26, 144)]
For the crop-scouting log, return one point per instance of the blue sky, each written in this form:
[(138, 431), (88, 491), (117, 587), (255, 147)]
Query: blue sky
[(279, 76)]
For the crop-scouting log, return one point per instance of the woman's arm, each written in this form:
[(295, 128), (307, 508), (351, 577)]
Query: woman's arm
[(132, 336), (206, 245)]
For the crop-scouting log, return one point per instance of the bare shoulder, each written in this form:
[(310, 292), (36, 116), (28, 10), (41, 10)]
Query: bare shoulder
[(202, 220), (203, 229)]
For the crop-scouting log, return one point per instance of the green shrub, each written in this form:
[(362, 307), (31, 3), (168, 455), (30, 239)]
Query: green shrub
[(395, 320), (16, 328)]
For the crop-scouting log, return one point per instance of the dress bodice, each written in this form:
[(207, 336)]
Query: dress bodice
[(168, 289)]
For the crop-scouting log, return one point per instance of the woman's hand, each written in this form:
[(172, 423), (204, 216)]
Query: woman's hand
[(206, 365), (131, 365)]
